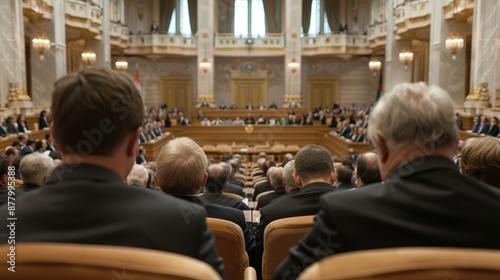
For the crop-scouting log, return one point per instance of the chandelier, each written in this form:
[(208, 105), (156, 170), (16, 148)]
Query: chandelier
[(88, 57), (406, 56), (293, 65), (375, 65), (41, 44), (454, 44), (205, 65), (121, 64)]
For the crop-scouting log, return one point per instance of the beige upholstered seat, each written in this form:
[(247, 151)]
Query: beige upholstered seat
[(83, 261), (230, 244), (279, 236), (262, 194), (233, 195), (408, 264)]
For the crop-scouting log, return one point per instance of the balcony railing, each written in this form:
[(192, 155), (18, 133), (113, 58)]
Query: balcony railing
[(412, 15), (335, 44), (84, 15), (377, 35), (162, 44)]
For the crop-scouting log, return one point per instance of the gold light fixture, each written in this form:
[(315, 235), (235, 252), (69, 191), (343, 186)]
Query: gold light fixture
[(375, 65), (406, 56), (205, 65), (88, 57), (41, 44), (121, 64), (454, 44), (293, 65)]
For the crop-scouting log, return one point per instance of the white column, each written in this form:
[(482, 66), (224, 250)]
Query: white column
[(293, 46), (206, 49), (444, 71), (45, 73), (395, 72), (102, 48), (486, 46), (12, 60)]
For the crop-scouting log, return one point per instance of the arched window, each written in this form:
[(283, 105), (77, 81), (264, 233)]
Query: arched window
[(249, 18), (319, 21), (184, 23)]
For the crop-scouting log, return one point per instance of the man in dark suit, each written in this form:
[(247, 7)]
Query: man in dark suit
[(458, 121), (417, 203), (215, 184), (367, 169), (138, 176), (276, 180), (49, 141), (266, 186), (29, 148), (482, 126), (231, 188), (141, 156), (3, 131), (98, 115), (314, 175), (493, 127), (34, 169), (5, 186), (344, 177), (181, 172)]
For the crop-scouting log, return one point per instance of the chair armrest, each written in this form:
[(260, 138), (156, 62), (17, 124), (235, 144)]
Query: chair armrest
[(250, 274)]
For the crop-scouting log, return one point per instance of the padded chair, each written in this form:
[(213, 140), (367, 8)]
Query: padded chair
[(230, 244), (413, 263), (84, 261), (233, 195), (263, 194), (279, 237), (292, 149), (208, 148)]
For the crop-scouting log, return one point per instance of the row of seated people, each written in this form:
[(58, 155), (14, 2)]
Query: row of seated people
[(352, 130), (13, 125), (388, 214), (482, 125), (292, 120)]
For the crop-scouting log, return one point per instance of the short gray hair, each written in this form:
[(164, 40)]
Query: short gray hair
[(288, 171), (35, 167), (276, 176), (138, 175), (415, 113)]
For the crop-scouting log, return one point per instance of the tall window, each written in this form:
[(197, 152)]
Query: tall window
[(319, 21), (184, 23), (249, 18)]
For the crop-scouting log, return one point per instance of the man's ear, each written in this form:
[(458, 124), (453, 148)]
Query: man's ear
[(381, 147), (133, 142), (296, 180), (204, 180), (333, 176), (56, 144)]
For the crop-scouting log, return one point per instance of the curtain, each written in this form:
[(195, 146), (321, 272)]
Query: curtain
[(332, 11), (226, 16), (193, 15), (166, 11), (272, 10), (306, 15)]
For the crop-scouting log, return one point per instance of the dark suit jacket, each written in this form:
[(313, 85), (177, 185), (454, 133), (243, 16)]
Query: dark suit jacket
[(26, 150), (4, 198), (27, 187), (268, 198), (236, 182), (226, 213), (231, 188), (425, 202), (3, 131), (89, 204), (12, 129), (217, 198), (50, 147), (140, 159), (264, 187), (303, 203), (42, 123), (493, 130), (345, 187)]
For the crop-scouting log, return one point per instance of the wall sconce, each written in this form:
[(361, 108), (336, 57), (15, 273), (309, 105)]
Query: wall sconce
[(88, 57), (375, 65), (205, 65), (293, 65), (41, 44), (121, 64), (406, 56), (454, 43)]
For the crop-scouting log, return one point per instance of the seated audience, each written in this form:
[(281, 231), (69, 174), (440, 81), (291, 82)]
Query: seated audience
[(344, 177), (222, 106), (12, 153), (138, 176), (215, 185), (3, 130), (314, 175), (261, 106), (367, 169), (493, 127), (93, 204), (206, 122), (458, 121), (417, 203), (21, 124), (273, 106), (230, 187), (141, 156), (34, 169), (29, 147), (181, 172), (288, 180), (482, 126), (480, 159), (49, 142), (43, 122), (249, 119), (4, 192), (276, 180), (12, 125), (267, 166)]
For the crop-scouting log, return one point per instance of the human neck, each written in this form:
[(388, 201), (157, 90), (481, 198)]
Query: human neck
[(112, 163)]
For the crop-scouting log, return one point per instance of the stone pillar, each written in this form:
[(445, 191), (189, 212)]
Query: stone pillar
[(45, 73), (486, 48), (394, 72), (446, 72), (102, 48), (12, 60), (293, 50), (206, 50)]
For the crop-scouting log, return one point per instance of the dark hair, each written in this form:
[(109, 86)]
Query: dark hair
[(42, 113), (4, 165), (367, 168), (47, 136), (313, 161), (94, 107), (344, 174), (55, 155), (21, 137), (10, 151), (267, 164), (16, 143), (217, 178), (38, 145), (30, 142)]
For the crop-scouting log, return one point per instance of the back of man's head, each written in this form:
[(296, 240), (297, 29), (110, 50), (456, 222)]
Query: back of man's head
[(138, 176), (415, 114), (4, 169), (288, 171), (268, 164), (367, 169), (217, 178), (276, 177), (344, 174), (94, 108), (228, 169), (181, 167), (313, 161), (35, 167)]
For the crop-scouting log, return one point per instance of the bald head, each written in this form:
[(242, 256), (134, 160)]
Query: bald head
[(367, 169), (217, 178), (276, 177)]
